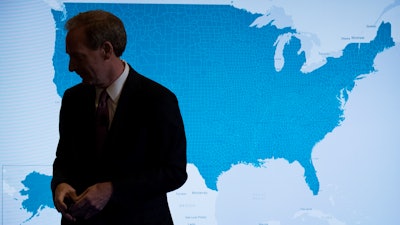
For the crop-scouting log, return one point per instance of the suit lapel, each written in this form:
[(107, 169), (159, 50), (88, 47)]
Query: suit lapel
[(128, 100)]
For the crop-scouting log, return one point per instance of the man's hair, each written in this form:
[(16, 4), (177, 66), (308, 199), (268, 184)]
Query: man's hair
[(100, 26)]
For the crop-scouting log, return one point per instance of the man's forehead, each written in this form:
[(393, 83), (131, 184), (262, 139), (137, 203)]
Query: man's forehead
[(76, 38), (77, 34)]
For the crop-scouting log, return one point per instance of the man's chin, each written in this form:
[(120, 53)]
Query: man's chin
[(87, 81)]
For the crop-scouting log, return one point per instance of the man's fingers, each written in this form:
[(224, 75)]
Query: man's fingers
[(69, 217), (84, 208), (60, 206), (63, 209)]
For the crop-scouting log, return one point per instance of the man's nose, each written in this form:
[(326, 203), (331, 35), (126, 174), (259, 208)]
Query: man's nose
[(71, 66)]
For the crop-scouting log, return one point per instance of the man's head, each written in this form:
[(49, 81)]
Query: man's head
[(100, 26), (95, 41)]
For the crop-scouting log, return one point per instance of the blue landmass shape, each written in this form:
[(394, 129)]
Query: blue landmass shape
[(37, 190), (236, 107)]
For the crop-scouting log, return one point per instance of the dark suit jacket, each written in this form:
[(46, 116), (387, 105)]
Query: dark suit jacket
[(144, 157)]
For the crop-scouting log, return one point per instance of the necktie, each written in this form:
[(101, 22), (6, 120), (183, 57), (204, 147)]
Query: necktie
[(102, 121)]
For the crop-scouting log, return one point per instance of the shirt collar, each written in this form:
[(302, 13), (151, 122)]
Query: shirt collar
[(114, 90)]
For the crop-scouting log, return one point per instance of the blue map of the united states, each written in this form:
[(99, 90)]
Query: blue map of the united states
[(237, 108)]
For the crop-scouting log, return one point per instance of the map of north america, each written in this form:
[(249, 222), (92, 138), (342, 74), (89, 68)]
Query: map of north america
[(237, 108)]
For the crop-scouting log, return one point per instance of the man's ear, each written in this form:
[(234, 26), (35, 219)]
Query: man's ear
[(108, 49)]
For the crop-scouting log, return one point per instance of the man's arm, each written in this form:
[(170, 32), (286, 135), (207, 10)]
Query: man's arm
[(166, 167)]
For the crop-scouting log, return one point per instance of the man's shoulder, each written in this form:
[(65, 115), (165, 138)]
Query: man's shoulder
[(80, 89), (147, 85)]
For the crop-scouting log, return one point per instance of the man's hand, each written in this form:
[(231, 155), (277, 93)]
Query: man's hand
[(92, 201), (64, 197)]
